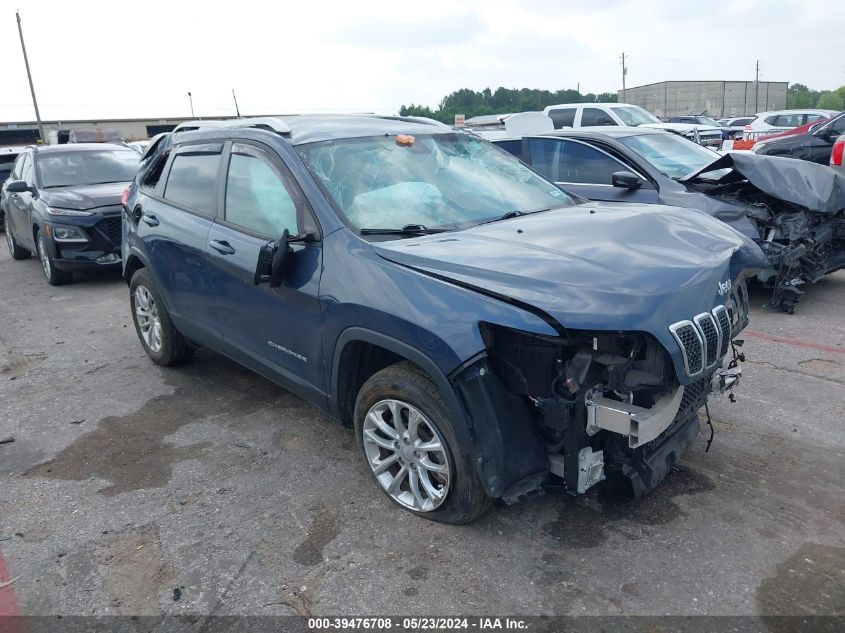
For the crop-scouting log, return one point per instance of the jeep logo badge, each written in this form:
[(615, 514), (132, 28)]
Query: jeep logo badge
[(724, 287)]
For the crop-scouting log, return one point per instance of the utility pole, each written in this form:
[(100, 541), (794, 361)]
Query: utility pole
[(191, 99), (757, 87), (624, 73), (238, 112), (29, 76)]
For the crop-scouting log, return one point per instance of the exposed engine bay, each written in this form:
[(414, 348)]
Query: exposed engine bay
[(602, 404), (798, 208)]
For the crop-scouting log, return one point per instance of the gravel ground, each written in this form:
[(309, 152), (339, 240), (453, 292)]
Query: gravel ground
[(126, 481)]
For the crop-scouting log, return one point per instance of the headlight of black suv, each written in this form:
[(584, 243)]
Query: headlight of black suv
[(68, 212), (65, 234)]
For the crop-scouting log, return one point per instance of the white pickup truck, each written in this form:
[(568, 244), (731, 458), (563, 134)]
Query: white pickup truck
[(577, 115)]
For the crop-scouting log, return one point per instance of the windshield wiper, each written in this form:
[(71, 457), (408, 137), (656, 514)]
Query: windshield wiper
[(516, 214), (408, 229)]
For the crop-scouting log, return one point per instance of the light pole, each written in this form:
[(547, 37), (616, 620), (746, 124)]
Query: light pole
[(624, 74), (29, 76), (191, 100)]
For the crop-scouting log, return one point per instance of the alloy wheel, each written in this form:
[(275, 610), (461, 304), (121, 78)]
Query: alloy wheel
[(148, 319), (407, 454), (42, 255)]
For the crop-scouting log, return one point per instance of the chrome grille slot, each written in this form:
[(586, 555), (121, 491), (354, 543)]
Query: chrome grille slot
[(692, 346), (711, 337), (724, 321)]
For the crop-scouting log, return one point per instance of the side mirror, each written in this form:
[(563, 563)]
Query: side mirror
[(280, 258), (823, 133), (18, 186), (626, 180), (273, 258), (265, 263)]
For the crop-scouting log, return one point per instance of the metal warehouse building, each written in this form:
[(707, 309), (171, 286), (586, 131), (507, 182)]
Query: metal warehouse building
[(717, 99), (25, 132)]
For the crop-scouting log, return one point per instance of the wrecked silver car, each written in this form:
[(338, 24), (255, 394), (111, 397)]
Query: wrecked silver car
[(795, 210)]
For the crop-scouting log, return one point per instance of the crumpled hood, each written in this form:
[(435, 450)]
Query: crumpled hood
[(84, 197), (594, 266), (810, 185)]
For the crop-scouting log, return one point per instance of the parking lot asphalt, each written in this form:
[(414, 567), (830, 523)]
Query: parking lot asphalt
[(126, 481)]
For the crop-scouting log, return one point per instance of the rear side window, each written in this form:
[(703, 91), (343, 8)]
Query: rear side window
[(512, 147), (192, 182), (785, 120), (564, 117), (156, 170), (595, 116)]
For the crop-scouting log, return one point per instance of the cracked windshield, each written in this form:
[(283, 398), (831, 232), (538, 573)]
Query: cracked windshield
[(437, 181)]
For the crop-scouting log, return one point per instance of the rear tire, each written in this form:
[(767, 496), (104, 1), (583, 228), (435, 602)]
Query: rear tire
[(404, 391), (16, 251), (55, 277), (159, 337)]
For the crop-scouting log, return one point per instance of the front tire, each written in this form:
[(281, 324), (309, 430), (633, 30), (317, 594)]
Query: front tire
[(406, 433), (55, 277), (16, 251), (159, 337)]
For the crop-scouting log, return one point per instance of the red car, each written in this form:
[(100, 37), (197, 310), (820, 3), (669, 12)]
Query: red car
[(801, 129)]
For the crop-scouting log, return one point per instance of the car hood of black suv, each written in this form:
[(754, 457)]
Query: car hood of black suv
[(84, 197), (593, 266)]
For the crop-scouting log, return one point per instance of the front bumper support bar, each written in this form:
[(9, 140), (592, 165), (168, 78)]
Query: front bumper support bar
[(641, 425)]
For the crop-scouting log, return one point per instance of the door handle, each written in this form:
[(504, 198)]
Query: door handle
[(222, 247), (150, 220)]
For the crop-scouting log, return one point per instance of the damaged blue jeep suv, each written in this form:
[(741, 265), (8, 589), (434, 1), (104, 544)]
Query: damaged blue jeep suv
[(481, 330)]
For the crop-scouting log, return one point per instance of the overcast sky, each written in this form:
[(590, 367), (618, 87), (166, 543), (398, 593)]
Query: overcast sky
[(115, 59)]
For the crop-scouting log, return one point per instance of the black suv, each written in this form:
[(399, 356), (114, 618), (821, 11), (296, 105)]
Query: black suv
[(63, 203), (8, 156), (815, 144)]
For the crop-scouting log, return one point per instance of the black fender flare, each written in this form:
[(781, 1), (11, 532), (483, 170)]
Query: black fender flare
[(493, 425), (135, 252), (400, 348)]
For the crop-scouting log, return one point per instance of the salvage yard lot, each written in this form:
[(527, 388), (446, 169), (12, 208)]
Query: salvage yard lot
[(126, 481)]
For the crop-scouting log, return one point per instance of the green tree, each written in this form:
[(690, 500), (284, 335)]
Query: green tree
[(800, 96), (832, 100), (500, 101)]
